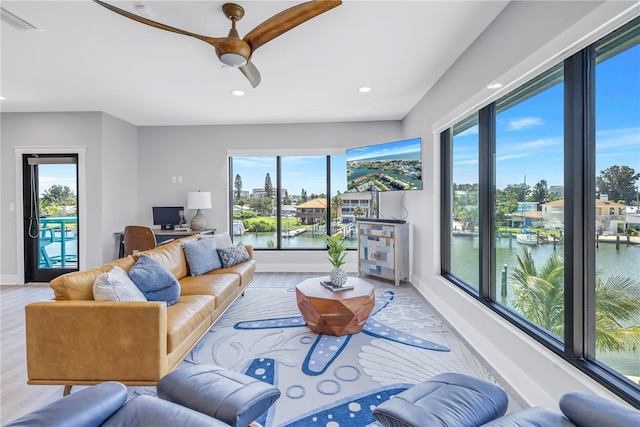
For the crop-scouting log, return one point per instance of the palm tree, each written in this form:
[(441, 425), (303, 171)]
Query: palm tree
[(539, 296), (336, 204)]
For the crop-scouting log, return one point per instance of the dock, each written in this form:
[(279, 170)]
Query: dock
[(294, 232)]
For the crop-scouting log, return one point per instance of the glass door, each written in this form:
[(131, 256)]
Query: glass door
[(50, 200)]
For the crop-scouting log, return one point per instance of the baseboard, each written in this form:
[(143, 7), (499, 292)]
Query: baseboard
[(269, 267), (10, 279)]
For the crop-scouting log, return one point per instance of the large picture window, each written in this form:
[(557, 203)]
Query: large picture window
[(280, 202), (558, 234)]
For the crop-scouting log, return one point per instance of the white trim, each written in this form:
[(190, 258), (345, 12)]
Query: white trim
[(82, 204), (532, 66)]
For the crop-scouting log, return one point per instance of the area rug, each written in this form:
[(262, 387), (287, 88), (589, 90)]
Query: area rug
[(334, 381)]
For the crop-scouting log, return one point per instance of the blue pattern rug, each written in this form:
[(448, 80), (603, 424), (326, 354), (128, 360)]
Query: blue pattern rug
[(333, 381)]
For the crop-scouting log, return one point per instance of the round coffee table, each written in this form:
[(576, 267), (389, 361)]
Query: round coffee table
[(335, 312)]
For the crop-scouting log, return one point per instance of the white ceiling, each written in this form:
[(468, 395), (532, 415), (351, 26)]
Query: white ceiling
[(87, 58)]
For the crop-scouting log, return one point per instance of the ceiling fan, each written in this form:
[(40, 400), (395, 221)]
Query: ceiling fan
[(237, 52)]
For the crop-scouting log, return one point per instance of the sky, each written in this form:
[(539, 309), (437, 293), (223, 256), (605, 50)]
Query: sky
[(298, 172), (63, 174), (530, 135), (394, 148)]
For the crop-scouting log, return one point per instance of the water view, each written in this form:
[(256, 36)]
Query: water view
[(611, 262)]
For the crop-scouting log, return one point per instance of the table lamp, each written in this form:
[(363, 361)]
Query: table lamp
[(198, 200)]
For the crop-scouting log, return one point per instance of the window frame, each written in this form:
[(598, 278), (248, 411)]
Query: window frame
[(578, 347)]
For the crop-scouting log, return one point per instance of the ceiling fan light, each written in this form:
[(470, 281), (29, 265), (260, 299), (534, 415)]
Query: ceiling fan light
[(233, 59)]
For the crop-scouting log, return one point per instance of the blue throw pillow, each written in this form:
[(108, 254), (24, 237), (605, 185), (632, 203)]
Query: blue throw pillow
[(155, 281), (232, 255), (201, 256)]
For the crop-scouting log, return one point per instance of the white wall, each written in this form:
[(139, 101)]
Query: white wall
[(199, 155), (511, 51), (106, 139), (120, 181)]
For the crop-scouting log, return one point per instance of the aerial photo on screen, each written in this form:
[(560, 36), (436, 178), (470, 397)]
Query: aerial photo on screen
[(385, 167)]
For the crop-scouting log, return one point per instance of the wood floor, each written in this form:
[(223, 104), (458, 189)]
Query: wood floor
[(16, 396)]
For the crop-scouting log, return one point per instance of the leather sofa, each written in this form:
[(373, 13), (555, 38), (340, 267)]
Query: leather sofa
[(198, 395), (105, 405), (75, 340), (456, 399)]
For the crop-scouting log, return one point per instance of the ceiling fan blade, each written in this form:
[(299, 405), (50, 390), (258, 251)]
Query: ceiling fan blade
[(211, 40), (251, 73), (286, 20)]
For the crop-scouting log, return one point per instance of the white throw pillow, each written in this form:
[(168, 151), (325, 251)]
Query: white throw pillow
[(222, 239), (115, 285)]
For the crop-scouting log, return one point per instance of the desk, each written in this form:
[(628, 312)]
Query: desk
[(161, 236), (61, 223)]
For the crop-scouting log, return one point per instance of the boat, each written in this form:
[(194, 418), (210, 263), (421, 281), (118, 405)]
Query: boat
[(238, 228), (527, 237)]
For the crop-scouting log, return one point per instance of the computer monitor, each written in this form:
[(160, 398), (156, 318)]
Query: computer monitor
[(167, 217)]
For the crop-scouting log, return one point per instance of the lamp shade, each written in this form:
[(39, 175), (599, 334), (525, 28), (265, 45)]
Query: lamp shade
[(199, 200)]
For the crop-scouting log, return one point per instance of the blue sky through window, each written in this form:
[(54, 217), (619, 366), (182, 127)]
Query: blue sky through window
[(530, 135)]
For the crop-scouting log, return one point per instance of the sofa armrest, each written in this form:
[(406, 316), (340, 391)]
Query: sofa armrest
[(249, 249), (591, 410), (76, 342), (88, 407)]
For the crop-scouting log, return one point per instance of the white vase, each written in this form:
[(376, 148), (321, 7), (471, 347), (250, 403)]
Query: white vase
[(338, 277)]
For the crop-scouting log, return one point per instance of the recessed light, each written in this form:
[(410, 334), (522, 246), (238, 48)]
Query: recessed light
[(364, 89), (237, 92), (2, 98), (494, 86)]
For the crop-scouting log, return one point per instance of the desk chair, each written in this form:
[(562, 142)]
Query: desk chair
[(138, 238)]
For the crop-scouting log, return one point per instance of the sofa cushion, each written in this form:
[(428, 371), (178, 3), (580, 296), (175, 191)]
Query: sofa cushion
[(201, 256), (185, 316), (78, 285), (244, 270), (155, 281), (586, 409), (533, 417), (115, 285), (171, 256), (232, 255), (222, 240), (221, 286)]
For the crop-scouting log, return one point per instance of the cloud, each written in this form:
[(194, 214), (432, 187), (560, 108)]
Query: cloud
[(473, 130), (524, 122), (511, 156), (466, 162), (618, 138)]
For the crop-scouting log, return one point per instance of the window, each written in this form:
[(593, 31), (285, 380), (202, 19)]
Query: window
[(253, 181), (617, 219), (465, 212), (529, 257), (280, 202), (557, 192)]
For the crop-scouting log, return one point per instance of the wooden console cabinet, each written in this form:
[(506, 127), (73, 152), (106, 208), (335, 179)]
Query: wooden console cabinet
[(383, 249)]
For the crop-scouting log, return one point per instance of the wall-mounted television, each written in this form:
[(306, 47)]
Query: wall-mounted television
[(391, 166)]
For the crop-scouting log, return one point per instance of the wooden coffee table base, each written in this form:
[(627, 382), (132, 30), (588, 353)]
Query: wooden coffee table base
[(335, 313)]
